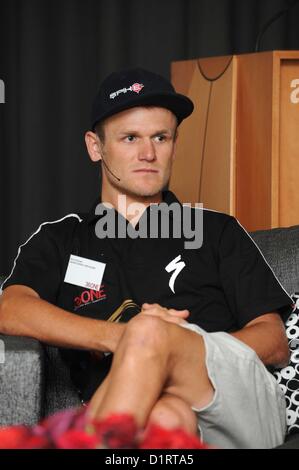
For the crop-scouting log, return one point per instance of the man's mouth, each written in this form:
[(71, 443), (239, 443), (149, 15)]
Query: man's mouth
[(145, 170)]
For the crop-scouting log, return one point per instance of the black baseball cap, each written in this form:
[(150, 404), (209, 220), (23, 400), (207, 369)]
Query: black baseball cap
[(137, 87)]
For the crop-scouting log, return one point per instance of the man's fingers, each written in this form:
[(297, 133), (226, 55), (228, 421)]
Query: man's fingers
[(171, 311), (164, 316), (179, 313), (146, 306)]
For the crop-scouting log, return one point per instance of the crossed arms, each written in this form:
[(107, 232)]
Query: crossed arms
[(24, 313)]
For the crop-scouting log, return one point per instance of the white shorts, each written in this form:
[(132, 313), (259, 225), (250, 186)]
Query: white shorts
[(248, 409)]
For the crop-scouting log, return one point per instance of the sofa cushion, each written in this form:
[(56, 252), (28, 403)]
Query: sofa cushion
[(60, 391), (288, 377), (21, 381), (280, 247)]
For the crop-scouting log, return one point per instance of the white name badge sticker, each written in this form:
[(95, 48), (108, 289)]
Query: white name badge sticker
[(84, 272)]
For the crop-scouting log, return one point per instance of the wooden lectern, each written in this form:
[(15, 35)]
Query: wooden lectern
[(239, 151)]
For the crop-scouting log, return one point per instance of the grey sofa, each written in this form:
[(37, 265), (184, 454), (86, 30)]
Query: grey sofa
[(34, 382)]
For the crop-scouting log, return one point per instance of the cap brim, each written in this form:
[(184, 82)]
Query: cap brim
[(180, 105)]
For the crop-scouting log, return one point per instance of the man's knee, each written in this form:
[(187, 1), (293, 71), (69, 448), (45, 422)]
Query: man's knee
[(145, 331), (144, 339)]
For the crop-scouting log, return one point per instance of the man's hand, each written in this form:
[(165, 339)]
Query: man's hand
[(168, 314)]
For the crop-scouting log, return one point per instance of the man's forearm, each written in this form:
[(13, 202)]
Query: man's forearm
[(268, 340), (25, 315)]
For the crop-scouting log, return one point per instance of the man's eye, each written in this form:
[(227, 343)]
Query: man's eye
[(160, 138), (130, 138)]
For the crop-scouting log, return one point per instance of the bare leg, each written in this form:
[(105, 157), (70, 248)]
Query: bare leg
[(97, 398), (169, 411), (172, 412), (153, 356)]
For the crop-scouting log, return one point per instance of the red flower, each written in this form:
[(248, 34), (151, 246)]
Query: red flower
[(21, 437), (70, 429), (35, 442), (11, 437), (157, 437), (60, 422), (118, 431), (74, 439)]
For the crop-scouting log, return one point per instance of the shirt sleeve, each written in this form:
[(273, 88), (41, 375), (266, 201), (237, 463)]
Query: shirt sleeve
[(250, 285), (38, 265)]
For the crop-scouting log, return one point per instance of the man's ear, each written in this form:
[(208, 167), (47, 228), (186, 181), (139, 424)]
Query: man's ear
[(93, 145)]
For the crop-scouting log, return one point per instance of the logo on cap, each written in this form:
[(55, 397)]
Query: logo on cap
[(136, 87)]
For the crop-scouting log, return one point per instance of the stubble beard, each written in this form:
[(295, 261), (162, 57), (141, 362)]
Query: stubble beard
[(134, 191)]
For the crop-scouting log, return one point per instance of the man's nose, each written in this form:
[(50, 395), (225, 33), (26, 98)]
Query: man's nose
[(147, 150)]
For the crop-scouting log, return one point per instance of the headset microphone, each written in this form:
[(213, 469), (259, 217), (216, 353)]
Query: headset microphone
[(118, 179)]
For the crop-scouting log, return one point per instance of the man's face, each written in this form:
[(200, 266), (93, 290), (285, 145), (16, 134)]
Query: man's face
[(139, 149)]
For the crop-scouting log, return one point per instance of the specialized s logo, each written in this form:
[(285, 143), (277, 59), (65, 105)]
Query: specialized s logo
[(176, 265)]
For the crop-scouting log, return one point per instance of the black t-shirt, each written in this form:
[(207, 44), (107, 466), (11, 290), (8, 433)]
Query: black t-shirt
[(225, 283)]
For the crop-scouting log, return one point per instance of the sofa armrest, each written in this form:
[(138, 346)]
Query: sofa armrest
[(21, 380)]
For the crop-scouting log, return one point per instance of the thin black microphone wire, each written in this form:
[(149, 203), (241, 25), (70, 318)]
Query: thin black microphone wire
[(109, 169), (270, 21)]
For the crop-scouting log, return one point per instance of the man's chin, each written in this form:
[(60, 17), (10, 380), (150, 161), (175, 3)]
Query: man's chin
[(145, 192)]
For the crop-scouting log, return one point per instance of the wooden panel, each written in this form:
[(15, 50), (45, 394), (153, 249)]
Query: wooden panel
[(182, 74), (275, 142), (185, 179), (213, 67), (289, 143), (254, 140), (202, 171), (239, 151), (216, 185)]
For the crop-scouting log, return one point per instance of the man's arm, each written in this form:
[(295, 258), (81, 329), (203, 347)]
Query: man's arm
[(24, 313), (266, 335)]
